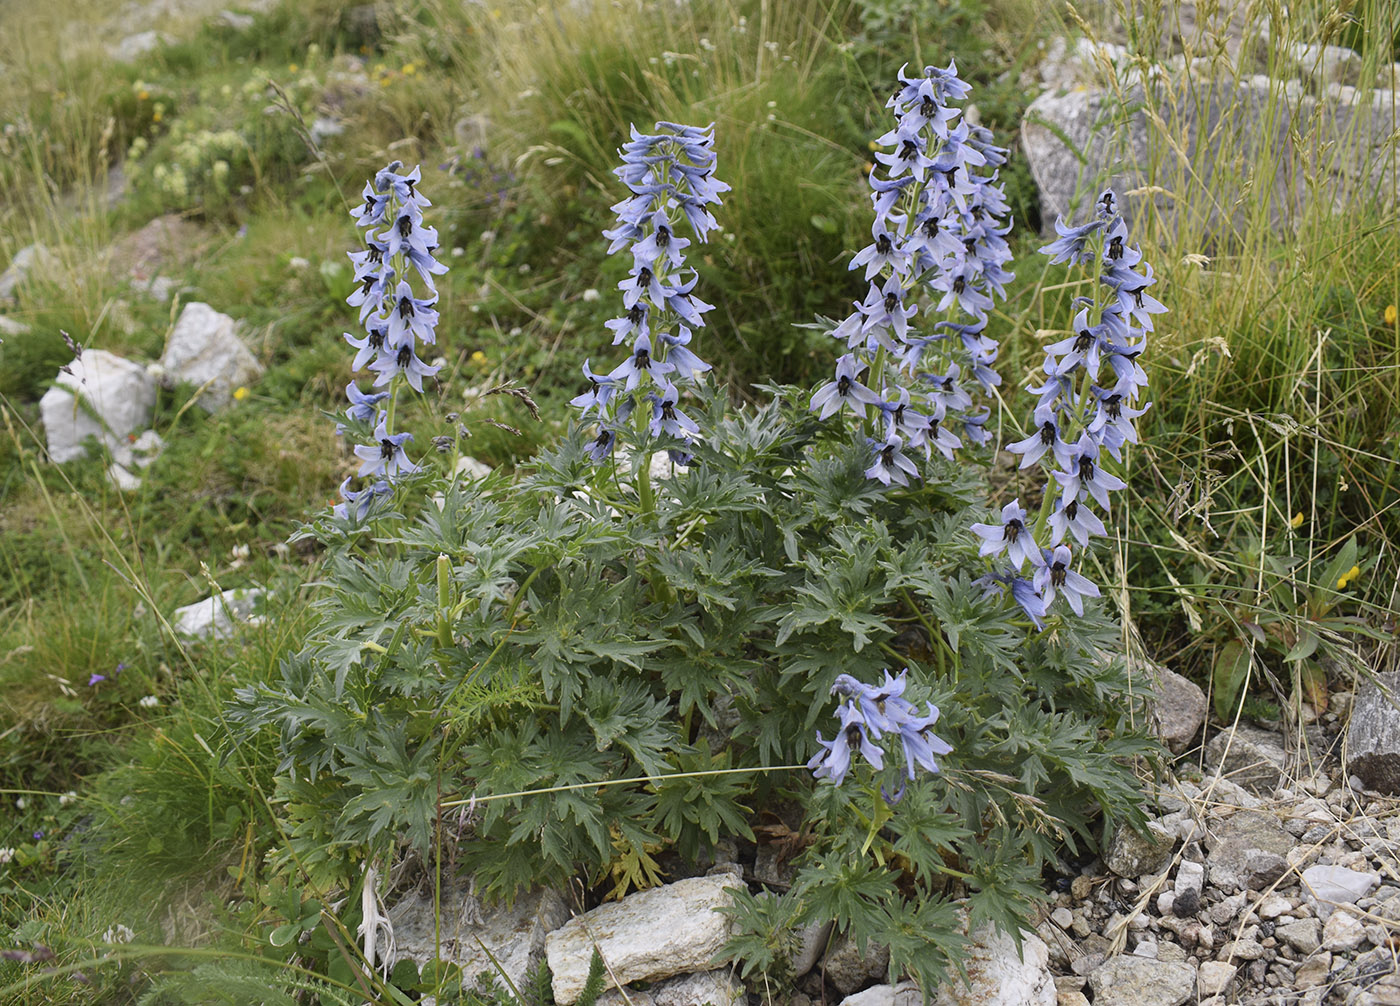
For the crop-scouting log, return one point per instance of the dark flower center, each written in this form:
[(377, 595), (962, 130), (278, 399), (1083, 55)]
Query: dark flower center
[(1072, 510), (405, 307), (668, 412), (1047, 432), (843, 385), (891, 302), (604, 439), (853, 735), (405, 354), (931, 227), (1084, 341), (908, 151), (1014, 527), (1113, 405), (1137, 296), (883, 245), (644, 278), (1086, 468), (638, 312), (375, 255), (366, 283), (927, 108), (887, 453), (959, 285), (1057, 574), (663, 236), (952, 175), (405, 225), (376, 338), (387, 449), (1115, 247), (642, 360)]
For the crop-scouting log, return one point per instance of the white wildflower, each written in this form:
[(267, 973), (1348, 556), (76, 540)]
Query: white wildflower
[(118, 934)]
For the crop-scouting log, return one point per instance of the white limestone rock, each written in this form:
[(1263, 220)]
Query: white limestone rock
[(217, 616), (904, 994), (1342, 932), (472, 468), (708, 988), (147, 447), (666, 931), (135, 46), (514, 935), (98, 395), (999, 976), (1141, 981), (25, 261), (122, 479), (1329, 886), (204, 349), (8, 326)]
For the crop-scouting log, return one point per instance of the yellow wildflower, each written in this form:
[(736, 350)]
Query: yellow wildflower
[(1347, 577), (293, 68), (479, 358), (142, 94), (409, 69), (241, 392), (1390, 314), (1297, 521)]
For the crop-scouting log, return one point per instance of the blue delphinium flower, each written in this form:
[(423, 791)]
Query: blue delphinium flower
[(670, 175), (869, 712), (396, 321), (1083, 415), (937, 234)]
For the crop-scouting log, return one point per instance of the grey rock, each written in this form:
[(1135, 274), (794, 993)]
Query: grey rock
[(1327, 64), (1215, 977), (1313, 972), (204, 349), (1342, 932), (848, 967), (1226, 909), (1373, 738), (666, 931), (1140, 981), (25, 261), (999, 976), (904, 994), (122, 478), (235, 20), (1190, 876), (1249, 757), (10, 327), (1304, 936), (1241, 950), (98, 395), (812, 940), (135, 46), (513, 934), (1178, 708), (219, 615), (707, 988), (1132, 854), (1080, 142), (1249, 852)]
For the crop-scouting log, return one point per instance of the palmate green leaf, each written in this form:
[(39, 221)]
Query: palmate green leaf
[(622, 712), (845, 586), (689, 810), (849, 890), (397, 788), (923, 934)]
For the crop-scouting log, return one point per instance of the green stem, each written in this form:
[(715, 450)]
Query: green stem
[(444, 592)]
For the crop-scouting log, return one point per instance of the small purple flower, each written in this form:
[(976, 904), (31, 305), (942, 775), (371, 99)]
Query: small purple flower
[(1084, 476), (362, 406), (600, 391), (920, 744), (666, 418), (601, 446), (359, 502), (1045, 438), (1070, 245), (640, 365), (95, 679), (678, 354)]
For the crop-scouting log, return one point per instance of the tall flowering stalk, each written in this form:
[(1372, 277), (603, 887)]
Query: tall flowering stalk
[(398, 249), (1084, 414), (670, 175), (938, 245)]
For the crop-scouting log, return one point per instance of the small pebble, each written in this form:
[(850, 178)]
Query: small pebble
[(1062, 917), (1187, 904)]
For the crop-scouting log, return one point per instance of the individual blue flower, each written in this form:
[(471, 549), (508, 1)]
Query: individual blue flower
[(362, 406), (1023, 592), (1056, 579), (359, 502), (663, 243), (385, 458), (885, 251), (846, 389), (600, 390), (1084, 476), (891, 464), (371, 345), (411, 317), (601, 446), (666, 418), (640, 365), (403, 361), (1046, 437), (371, 211), (1012, 536), (688, 365), (1071, 243), (920, 744), (1073, 518), (834, 760), (884, 308)]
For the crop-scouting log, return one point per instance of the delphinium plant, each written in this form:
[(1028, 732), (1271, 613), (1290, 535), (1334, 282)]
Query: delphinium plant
[(563, 674), (939, 247), (670, 175), (1083, 417)]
